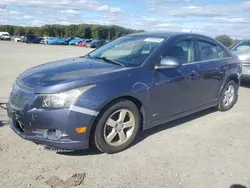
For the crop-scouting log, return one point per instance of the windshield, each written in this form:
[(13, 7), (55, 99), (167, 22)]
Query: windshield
[(129, 51), (241, 46), (6, 35)]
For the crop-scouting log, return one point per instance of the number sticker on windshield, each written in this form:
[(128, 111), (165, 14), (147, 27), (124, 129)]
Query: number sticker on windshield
[(157, 40)]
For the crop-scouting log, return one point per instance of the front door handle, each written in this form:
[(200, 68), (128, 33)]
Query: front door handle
[(194, 75)]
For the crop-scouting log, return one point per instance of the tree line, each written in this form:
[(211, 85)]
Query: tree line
[(85, 31), (81, 30), (226, 40)]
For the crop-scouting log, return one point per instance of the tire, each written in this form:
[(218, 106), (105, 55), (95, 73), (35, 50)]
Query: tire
[(228, 97), (110, 139)]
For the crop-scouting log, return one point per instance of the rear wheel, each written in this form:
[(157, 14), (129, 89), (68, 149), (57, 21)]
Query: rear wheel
[(117, 127), (228, 96)]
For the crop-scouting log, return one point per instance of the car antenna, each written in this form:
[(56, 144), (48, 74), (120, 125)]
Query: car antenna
[(192, 29)]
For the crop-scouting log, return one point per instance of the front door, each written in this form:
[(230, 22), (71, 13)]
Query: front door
[(176, 90)]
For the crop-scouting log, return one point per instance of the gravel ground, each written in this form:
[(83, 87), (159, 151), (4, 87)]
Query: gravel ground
[(208, 149)]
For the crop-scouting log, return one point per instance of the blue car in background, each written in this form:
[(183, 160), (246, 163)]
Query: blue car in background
[(75, 41), (67, 39), (31, 39), (56, 41), (133, 83)]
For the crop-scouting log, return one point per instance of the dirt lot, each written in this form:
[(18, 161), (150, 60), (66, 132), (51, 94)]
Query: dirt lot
[(208, 149)]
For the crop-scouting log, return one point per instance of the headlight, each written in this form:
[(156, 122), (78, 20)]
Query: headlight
[(61, 100)]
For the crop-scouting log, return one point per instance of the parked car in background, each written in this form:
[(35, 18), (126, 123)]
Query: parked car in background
[(242, 45), (96, 43), (5, 36), (22, 39), (85, 42), (44, 40), (17, 39), (67, 39), (75, 41), (133, 83), (31, 39), (56, 41), (242, 50)]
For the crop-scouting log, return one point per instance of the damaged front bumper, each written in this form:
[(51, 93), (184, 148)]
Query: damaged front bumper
[(53, 128)]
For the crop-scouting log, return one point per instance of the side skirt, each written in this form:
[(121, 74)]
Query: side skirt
[(148, 125)]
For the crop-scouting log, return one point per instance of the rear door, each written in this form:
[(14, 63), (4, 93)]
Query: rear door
[(213, 61)]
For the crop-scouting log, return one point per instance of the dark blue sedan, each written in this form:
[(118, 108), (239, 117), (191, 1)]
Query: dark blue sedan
[(133, 83), (32, 39)]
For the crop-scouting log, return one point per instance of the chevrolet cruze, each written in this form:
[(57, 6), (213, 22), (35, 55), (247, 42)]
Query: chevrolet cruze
[(133, 83)]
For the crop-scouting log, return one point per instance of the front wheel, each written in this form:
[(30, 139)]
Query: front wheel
[(228, 96), (117, 127)]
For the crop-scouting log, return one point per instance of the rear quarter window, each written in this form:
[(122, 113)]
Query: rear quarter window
[(222, 52)]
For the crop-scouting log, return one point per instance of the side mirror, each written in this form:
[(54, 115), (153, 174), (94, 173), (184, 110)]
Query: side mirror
[(168, 63)]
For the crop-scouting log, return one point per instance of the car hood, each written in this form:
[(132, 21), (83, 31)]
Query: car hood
[(243, 55), (66, 74)]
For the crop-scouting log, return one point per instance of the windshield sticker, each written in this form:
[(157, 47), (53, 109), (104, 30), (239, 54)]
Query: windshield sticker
[(157, 40)]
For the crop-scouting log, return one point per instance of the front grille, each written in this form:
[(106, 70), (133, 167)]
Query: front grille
[(17, 101), (19, 126), (22, 87)]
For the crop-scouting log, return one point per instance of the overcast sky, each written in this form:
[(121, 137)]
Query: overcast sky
[(211, 17)]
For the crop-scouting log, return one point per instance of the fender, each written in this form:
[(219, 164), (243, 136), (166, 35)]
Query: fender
[(102, 94), (233, 73)]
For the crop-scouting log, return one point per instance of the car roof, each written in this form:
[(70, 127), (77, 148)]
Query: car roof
[(156, 34), (166, 34)]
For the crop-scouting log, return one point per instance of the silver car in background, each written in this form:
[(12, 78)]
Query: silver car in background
[(242, 50)]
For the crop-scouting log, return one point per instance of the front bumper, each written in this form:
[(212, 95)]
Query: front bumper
[(62, 119), (5, 38), (71, 145)]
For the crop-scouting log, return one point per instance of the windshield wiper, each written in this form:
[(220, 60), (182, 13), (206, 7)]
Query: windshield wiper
[(83, 56), (107, 60)]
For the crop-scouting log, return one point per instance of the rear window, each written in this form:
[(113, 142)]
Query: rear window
[(208, 51)]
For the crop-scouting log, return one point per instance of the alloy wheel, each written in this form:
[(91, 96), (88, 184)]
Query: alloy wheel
[(119, 127), (229, 95)]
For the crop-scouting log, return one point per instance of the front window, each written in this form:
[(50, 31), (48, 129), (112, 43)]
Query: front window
[(129, 51), (241, 46), (183, 50)]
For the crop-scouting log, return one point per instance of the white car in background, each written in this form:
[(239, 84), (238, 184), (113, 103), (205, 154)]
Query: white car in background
[(18, 39), (45, 40), (242, 50), (5, 36)]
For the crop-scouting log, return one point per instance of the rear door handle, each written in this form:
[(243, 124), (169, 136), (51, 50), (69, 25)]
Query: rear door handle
[(194, 75)]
